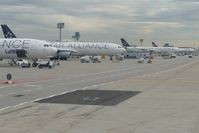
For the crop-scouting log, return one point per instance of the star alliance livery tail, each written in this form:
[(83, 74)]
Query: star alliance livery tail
[(124, 43), (7, 32), (154, 44)]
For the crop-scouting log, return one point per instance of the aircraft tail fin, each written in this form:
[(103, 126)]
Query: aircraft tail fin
[(124, 42), (154, 44), (7, 32)]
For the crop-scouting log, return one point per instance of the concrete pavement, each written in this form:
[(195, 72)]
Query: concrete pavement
[(167, 102)]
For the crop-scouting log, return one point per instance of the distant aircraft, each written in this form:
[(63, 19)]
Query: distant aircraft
[(66, 49), (165, 45), (154, 44), (131, 48), (150, 49), (182, 50)]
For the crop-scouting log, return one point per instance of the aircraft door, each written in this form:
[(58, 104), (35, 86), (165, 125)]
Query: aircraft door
[(21, 53)]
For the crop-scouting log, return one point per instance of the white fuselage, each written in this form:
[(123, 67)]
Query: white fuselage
[(88, 48), (25, 48), (187, 50), (153, 49)]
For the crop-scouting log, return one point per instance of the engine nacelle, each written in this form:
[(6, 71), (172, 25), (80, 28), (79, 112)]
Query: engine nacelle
[(62, 55)]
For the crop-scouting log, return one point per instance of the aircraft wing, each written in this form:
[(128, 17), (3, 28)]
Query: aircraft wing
[(151, 49)]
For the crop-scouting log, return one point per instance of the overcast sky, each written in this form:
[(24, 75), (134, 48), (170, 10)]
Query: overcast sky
[(172, 21)]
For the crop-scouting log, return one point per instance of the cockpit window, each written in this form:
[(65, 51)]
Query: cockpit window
[(47, 45)]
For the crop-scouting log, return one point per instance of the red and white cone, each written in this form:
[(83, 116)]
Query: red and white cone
[(9, 82)]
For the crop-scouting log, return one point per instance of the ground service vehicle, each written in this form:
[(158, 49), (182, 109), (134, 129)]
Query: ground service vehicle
[(85, 59), (96, 59), (48, 63), (141, 60), (23, 63)]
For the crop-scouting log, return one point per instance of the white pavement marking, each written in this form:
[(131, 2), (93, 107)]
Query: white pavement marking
[(15, 106), (7, 86)]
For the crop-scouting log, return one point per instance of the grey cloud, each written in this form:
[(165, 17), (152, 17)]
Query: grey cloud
[(128, 18)]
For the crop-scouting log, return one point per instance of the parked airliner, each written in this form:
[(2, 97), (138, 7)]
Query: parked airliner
[(18, 48), (90, 48), (183, 50), (149, 49), (66, 49)]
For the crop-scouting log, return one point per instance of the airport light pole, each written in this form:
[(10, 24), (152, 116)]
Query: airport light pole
[(141, 41), (60, 26)]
